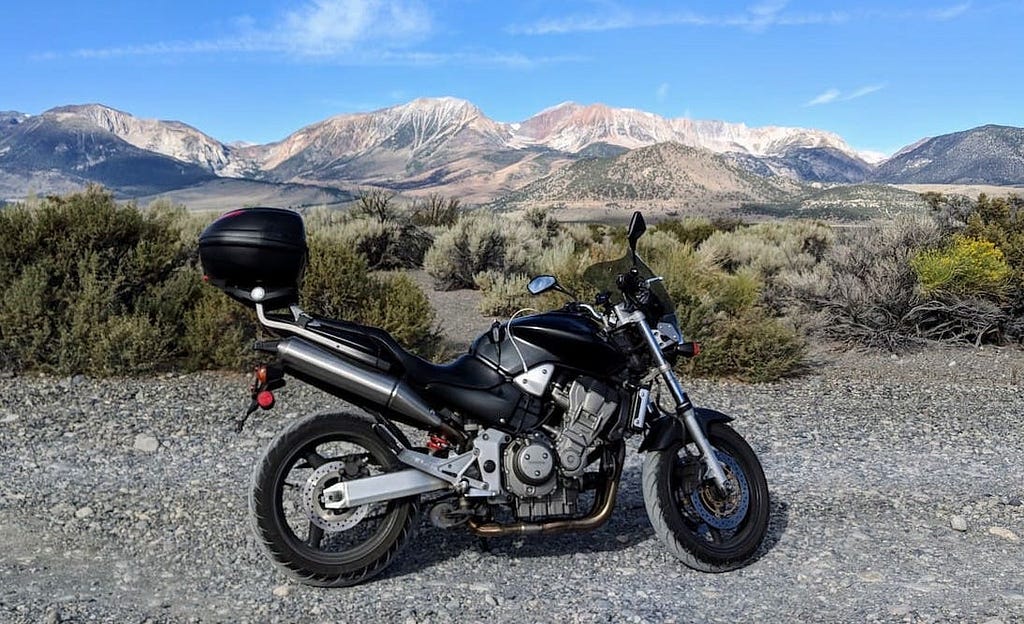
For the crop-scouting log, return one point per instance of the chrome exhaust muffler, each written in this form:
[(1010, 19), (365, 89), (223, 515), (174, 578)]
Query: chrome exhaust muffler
[(376, 387)]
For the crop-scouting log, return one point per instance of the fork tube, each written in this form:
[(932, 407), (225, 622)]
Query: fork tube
[(683, 406)]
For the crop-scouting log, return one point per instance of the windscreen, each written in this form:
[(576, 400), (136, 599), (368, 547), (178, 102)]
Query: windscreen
[(603, 275)]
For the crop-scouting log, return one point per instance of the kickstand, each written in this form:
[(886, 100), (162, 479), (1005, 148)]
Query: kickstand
[(240, 420)]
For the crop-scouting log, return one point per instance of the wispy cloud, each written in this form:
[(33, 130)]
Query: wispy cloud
[(835, 95), (662, 92), (756, 17), (349, 32), (824, 97), (949, 13)]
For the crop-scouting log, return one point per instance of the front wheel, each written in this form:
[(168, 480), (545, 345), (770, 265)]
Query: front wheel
[(307, 541), (706, 530)]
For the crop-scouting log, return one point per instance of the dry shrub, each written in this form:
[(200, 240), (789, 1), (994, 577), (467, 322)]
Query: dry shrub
[(721, 310), (503, 295), (480, 242), (869, 295), (338, 285)]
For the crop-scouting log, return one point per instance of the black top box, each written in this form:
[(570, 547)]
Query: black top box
[(254, 247)]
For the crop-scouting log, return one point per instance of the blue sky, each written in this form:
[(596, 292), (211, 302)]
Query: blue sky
[(881, 74)]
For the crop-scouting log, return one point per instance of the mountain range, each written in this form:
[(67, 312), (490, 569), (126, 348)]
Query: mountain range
[(566, 153)]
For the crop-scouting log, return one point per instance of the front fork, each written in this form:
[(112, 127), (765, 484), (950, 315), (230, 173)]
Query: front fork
[(683, 406)]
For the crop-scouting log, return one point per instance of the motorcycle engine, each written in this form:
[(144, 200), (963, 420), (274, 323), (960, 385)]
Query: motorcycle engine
[(542, 472)]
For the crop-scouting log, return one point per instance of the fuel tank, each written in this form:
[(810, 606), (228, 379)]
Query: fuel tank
[(557, 337)]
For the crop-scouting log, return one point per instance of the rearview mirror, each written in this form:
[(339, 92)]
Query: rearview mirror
[(637, 227), (541, 284)]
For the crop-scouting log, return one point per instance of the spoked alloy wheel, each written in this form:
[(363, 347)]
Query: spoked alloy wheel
[(706, 529), (307, 541)]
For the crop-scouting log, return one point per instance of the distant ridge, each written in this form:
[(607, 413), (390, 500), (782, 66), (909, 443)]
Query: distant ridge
[(449, 145), (984, 155)]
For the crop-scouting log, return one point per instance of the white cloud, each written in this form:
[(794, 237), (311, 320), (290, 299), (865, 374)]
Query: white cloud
[(330, 27), (662, 92), (951, 12), (861, 92), (824, 97), (320, 28), (757, 17), (347, 32), (835, 95)]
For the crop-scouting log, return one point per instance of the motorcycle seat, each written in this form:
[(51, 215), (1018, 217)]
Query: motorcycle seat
[(465, 372)]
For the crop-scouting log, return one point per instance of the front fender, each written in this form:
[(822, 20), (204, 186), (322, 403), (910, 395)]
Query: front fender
[(666, 429)]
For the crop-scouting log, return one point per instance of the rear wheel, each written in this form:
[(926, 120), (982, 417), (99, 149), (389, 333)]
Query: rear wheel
[(705, 529), (312, 544)]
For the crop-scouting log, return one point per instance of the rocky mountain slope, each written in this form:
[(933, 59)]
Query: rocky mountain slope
[(984, 155), (665, 172), (170, 138), (448, 145), (572, 127), (57, 151)]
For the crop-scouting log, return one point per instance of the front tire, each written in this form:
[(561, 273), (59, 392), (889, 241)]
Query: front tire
[(307, 542), (704, 529)]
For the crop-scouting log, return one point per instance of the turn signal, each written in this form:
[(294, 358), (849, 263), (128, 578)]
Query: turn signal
[(265, 399), (689, 349), (261, 374)]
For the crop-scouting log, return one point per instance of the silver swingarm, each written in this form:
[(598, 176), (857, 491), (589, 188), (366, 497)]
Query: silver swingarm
[(427, 474)]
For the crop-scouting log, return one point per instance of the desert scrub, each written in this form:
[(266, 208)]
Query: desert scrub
[(867, 294), (965, 267), (695, 230), (769, 248), (108, 289), (480, 242), (722, 311), (503, 294), (339, 285), (99, 285)]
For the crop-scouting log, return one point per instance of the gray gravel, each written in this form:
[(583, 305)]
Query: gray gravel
[(897, 489)]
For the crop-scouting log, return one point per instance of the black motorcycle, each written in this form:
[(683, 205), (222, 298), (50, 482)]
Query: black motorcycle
[(525, 433)]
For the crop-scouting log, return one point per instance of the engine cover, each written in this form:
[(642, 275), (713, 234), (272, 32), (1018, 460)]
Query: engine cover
[(590, 404), (529, 466)]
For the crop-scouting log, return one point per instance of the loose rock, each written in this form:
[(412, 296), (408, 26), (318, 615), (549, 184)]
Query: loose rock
[(146, 443)]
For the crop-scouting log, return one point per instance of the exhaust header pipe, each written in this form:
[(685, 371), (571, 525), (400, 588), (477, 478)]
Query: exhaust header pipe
[(376, 387)]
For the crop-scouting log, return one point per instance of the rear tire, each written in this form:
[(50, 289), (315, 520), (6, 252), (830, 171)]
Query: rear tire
[(707, 531), (311, 546)]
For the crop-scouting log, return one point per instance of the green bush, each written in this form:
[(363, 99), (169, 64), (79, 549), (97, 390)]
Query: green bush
[(722, 311), (218, 332), (749, 346), (965, 267), (690, 230), (503, 295), (94, 283), (480, 242), (397, 305), (97, 287), (338, 285)]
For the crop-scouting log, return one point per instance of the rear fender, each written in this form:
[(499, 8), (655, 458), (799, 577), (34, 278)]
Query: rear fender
[(665, 430)]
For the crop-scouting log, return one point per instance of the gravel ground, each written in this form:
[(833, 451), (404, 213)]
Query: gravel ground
[(897, 488)]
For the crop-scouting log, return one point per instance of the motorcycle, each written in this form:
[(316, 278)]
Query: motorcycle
[(525, 433)]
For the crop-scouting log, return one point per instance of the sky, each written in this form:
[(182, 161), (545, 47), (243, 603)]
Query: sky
[(881, 74)]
